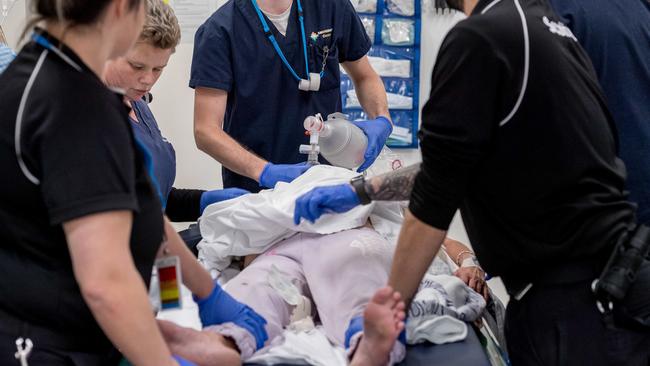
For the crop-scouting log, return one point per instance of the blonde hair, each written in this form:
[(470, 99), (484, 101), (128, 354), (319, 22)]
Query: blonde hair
[(161, 28)]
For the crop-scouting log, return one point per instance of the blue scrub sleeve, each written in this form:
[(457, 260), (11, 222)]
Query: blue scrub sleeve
[(211, 61), (566, 10), (353, 42)]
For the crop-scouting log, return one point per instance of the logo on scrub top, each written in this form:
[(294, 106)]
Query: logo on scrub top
[(325, 33)]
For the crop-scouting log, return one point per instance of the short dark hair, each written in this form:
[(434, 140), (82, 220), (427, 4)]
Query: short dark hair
[(77, 12), (74, 12)]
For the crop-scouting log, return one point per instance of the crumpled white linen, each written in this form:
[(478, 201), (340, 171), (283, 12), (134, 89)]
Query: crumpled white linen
[(252, 223), (436, 329), (440, 309), (296, 346)]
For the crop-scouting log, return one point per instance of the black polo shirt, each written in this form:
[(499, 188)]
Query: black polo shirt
[(77, 143), (517, 135)]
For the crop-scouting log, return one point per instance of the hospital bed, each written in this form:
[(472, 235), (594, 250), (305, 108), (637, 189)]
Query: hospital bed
[(468, 352)]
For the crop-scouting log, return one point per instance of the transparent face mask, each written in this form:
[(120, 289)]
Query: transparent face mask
[(402, 7), (398, 32)]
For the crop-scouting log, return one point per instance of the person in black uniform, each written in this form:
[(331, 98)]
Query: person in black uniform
[(80, 221), (517, 134)]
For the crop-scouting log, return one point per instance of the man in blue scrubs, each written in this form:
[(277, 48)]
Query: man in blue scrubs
[(616, 36), (249, 109)]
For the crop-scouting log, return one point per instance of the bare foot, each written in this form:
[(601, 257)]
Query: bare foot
[(383, 321), (204, 348)]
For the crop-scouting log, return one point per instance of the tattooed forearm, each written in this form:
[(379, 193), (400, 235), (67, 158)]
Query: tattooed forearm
[(393, 186)]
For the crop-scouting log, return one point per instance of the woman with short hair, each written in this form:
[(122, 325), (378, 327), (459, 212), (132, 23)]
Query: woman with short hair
[(136, 73)]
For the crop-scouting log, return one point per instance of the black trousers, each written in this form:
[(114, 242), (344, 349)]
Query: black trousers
[(561, 325), (51, 348)]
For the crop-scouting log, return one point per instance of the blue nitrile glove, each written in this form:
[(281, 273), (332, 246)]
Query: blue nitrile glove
[(321, 200), (273, 173), (355, 326), (218, 195), (183, 362), (220, 307), (377, 131)]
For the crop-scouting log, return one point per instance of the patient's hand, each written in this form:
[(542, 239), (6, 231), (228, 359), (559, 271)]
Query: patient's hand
[(474, 277)]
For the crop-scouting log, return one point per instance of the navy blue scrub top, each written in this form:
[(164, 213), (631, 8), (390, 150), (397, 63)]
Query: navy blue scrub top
[(162, 152), (616, 35), (266, 110)]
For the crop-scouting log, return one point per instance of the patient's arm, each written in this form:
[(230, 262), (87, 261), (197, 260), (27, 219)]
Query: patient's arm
[(393, 186), (473, 276), (195, 277), (457, 251), (200, 347)]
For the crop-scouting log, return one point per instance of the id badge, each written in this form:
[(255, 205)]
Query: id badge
[(169, 282)]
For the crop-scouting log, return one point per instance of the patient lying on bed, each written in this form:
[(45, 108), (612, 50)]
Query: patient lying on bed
[(343, 274), (340, 273)]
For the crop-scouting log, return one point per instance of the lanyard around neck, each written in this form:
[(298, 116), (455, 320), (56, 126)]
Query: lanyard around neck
[(274, 42), (38, 38)]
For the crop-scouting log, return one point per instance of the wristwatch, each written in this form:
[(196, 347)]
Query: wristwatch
[(359, 185)]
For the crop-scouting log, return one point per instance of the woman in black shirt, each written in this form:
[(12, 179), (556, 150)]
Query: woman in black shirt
[(80, 222)]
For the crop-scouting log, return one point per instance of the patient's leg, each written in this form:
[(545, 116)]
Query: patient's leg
[(344, 270), (251, 288), (203, 348)]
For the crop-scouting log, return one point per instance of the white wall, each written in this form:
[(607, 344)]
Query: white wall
[(14, 22)]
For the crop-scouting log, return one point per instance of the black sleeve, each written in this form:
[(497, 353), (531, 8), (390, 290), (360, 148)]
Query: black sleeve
[(85, 156), (184, 205), (458, 124)]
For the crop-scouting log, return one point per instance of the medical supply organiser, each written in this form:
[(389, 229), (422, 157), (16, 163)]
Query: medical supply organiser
[(394, 29)]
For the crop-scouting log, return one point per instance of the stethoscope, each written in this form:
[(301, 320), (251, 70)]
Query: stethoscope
[(49, 47), (312, 83)]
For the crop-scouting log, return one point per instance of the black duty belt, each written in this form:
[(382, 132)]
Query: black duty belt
[(565, 273)]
